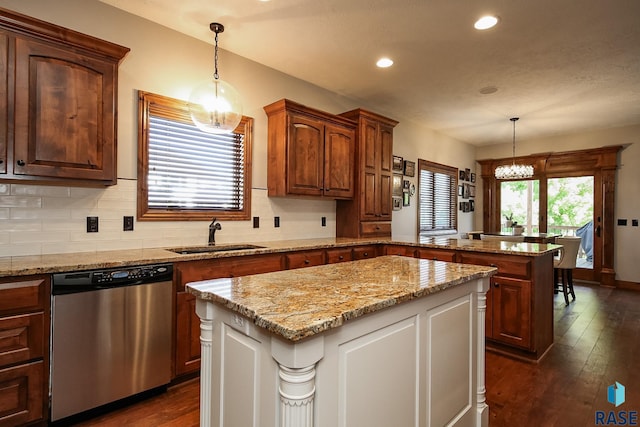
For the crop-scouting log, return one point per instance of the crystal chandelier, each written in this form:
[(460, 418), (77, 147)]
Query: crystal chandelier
[(215, 105), (514, 171)]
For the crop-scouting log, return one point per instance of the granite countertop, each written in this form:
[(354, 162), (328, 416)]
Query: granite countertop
[(56, 263), (299, 303)]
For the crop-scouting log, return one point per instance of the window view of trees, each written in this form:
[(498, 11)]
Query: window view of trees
[(520, 201), (570, 204)]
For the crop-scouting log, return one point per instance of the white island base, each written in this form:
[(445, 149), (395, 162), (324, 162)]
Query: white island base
[(418, 363)]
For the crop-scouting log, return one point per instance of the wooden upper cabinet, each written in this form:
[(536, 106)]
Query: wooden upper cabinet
[(4, 99), (62, 92), (310, 152), (374, 154)]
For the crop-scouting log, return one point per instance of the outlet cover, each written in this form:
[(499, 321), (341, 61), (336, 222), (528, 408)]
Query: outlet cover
[(127, 223), (276, 221), (92, 224), (256, 222), (622, 222), (324, 221), (634, 222)]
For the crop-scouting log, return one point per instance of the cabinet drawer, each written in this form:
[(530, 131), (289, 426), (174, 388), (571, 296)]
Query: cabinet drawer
[(364, 252), (20, 297), (437, 254), (21, 394), (21, 338), (193, 271), (339, 255), (513, 266), (305, 259), (375, 228), (401, 250)]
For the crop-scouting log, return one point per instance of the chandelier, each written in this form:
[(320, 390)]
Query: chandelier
[(215, 105), (514, 171)]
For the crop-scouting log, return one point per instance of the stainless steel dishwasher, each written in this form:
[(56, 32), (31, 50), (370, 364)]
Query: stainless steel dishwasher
[(111, 336)]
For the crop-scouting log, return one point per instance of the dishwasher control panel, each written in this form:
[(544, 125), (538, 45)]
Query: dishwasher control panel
[(78, 281)]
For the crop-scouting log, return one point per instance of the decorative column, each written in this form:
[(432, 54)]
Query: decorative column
[(297, 391), (481, 401), (203, 309), (297, 373)]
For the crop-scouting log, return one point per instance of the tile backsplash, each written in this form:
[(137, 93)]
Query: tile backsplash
[(38, 219)]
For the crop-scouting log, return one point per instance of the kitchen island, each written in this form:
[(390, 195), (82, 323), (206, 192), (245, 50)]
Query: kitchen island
[(386, 341)]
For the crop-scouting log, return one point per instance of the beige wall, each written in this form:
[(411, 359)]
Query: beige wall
[(627, 195)]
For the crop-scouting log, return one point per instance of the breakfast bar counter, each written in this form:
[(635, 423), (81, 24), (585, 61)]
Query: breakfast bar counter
[(391, 340)]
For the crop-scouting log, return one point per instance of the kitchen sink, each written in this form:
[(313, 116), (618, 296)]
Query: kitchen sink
[(214, 248)]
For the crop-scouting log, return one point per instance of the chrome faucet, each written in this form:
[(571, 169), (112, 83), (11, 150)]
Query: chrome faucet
[(212, 231)]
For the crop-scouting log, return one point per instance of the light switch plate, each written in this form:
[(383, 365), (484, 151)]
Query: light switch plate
[(92, 224)]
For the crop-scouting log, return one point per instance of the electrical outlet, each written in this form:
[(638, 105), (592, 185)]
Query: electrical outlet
[(127, 223), (92, 224), (324, 221), (622, 222), (256, 222), (634, 222), (276, 221)]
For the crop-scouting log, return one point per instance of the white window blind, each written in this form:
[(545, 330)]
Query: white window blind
[(192, 169), (437, 198)]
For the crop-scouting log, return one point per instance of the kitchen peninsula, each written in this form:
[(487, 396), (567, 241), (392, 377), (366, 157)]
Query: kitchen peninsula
[(385, 341)]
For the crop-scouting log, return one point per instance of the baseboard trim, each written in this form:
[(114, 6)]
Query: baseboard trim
[(632, 286)]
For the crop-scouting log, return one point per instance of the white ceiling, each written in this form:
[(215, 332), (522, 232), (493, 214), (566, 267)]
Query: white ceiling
[(562, 66)]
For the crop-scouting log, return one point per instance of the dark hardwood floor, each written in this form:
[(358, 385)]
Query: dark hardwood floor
[(597, 340)]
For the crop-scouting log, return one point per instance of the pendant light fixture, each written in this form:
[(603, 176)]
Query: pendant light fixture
[(215, 105), (514, 171)]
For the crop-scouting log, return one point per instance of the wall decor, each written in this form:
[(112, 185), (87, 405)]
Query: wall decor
[(397, 185), (409, 168), (397, 203), (461, 190), (465, 195), (461, 175), (406, 199), (397, 163), (472, 191), (473, 177), (467, 174), (472, 205), (405, 185)]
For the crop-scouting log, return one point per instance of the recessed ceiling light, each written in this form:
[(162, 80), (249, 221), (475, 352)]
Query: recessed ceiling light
[(487, 90), (486, 22), (384, 63)]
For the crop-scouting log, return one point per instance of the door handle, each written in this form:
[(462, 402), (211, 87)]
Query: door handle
[(598, 231)]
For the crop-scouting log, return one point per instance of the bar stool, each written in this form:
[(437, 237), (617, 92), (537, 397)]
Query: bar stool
[(565, 264)]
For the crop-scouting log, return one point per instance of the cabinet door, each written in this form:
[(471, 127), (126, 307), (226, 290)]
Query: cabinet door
[(305, 156), (339, 157), (385, 156), (364, 252), (339, 255), (21, 394), (187, 358), (4, 52), (64, 114), (511, 316)]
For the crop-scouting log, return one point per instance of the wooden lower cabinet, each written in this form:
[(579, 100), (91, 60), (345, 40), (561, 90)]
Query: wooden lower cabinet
[(364, 252), (509, 315), (339, 255), (24, 350), (401, 250), (187, 351), (305, 259)]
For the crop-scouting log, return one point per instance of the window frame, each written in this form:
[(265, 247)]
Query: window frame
[(453, 192), (177, 110)]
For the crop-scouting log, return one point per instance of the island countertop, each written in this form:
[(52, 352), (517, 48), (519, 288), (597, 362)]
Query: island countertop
[(64, 262), (296, 304)]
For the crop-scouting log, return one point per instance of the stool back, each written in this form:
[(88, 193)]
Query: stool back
[(569, 251)]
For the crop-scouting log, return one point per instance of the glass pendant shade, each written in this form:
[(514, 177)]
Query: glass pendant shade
[(215, 106), (514, 171)]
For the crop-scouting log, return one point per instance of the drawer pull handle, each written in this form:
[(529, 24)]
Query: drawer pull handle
[(21, 162)]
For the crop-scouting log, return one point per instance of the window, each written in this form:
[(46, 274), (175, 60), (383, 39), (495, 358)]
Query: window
[(437, 213), (187, 174)]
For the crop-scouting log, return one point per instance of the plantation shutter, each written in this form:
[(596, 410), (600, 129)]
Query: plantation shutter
[(437, 198)]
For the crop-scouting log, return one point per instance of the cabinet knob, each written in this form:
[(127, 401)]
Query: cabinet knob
[(492, 265), (435, 258), (496, 285), (1, 161), (306, 261), (21, 162), (366, 254), (340, 257), (377, 227)]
